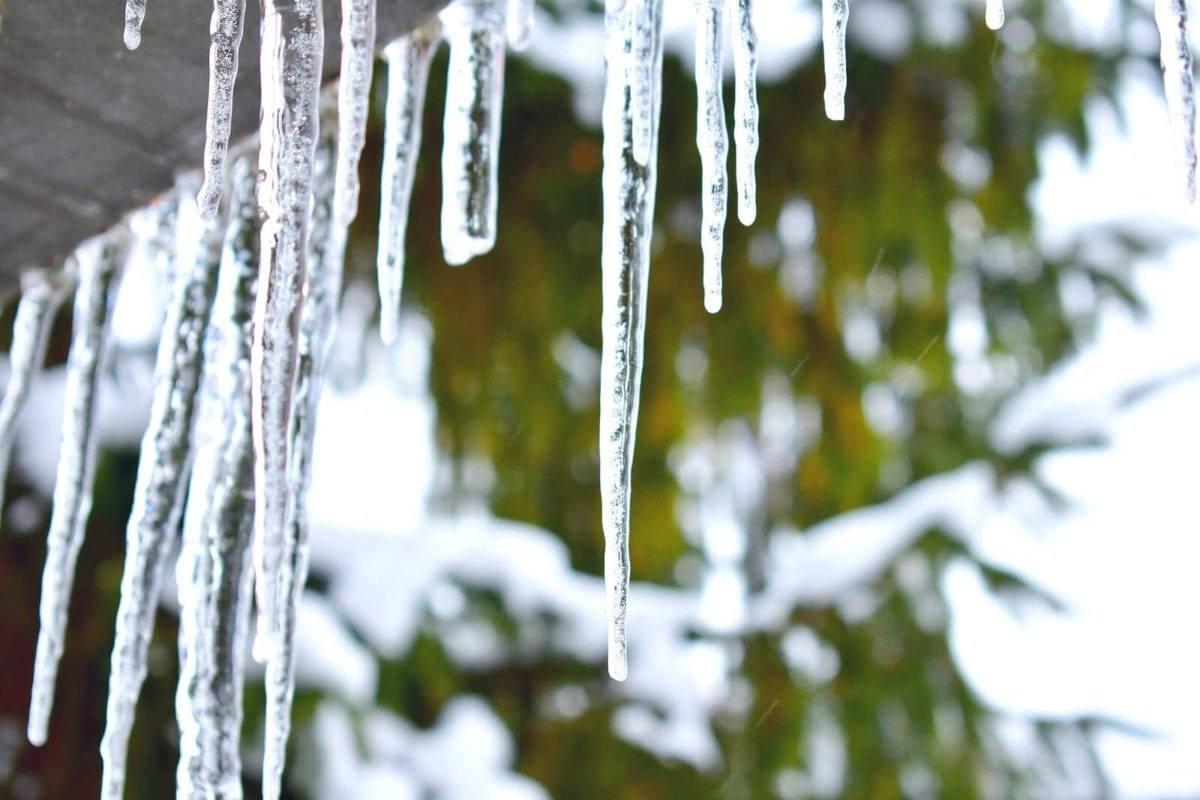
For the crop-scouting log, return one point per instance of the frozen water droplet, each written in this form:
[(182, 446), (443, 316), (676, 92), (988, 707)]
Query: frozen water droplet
[(474, 30), (1176, 56), (98, 263), (41, 295), (292, 47), (629, 188), (213, 573), (713, 145), (354, 98), (163, 468), (135, 12), (408, 61), (225, 32), (994, 16), (834, 15), (745, 107)]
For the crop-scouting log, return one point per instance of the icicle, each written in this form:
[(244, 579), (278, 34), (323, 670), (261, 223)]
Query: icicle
[(213, 572), (745, 108), (41, 295), (834, 14), (471, 144), (408, 71), (1176, 55), (316, 340), (225, 30), (994, 16), (520, 23), (354, 97), (711, 140), (640, 63), (135, 12), (163, 468), (98, 263), (292, 46), (629, 189)]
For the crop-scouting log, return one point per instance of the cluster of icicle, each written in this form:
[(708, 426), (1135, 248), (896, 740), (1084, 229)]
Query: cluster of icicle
[(256, 273)]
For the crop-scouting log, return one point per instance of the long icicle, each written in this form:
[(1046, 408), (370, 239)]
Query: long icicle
[(354, 97), (135, 12), (408, 61), (163, 468), (834, 15), (225, 30), (745, 107), (713, 144), (1176, 55), (98, 263), (213, 572), (293, 42), (41, 295), (471, 140), (629, 189), (317, 321)]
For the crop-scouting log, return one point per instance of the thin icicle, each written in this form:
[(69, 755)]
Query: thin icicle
[(292, 46), (225, 30), (408, 72), (163, 468), (213, 572), (994, 16), (98, 263), (354, 97), (640, 63), (745, 107), (834, 14), (41, 295), (317, 321), (471, 143), (520, 23), (1176, 55), (713, 144), (629, 189), (135, 12)]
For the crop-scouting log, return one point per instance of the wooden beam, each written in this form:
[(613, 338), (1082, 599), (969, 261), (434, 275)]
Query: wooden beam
[(90, 130)]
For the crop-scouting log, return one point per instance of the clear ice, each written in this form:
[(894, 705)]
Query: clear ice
[(135, 12), (994, 16), (475, 31), (98, 263), (213, 572), (354, 98), (225, 32), (520, 23), (163, 468), (834, 15), (1176, 55), (628, 187), (292, 47), (408, 60), (317, 320), (639, 63), (712, 143), (745, 107), (41, 295)]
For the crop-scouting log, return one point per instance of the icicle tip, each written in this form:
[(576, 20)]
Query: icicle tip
[(618, 667)]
